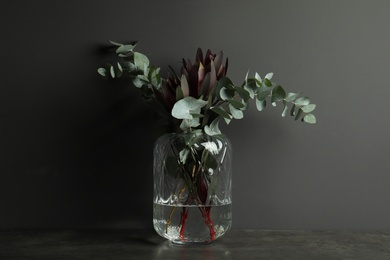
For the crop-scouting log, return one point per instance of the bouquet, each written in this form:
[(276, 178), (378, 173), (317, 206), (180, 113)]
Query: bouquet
[(193, 102)]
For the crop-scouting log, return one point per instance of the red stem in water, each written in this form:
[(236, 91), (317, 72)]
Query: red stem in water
[(205, 210), (183, 221)]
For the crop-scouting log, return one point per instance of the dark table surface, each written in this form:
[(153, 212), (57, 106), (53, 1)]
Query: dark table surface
[(237, 244)]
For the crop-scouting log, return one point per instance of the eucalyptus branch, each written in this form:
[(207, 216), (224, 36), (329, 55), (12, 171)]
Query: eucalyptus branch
[(202, 94)]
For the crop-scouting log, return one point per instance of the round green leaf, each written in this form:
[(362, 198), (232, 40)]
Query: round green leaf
[(124, 49), (120, 67), (236, 104), (102, 71), (299, 113), (308, 108), (278, 94), (260, 104), (112, 71), (221, 112), (284, 111), (310, 119), (302, 101), (226, 93), (263, 93), (236, 113), (213, 129), (267, 82), (184, 108), (140, 60), (242, 92)]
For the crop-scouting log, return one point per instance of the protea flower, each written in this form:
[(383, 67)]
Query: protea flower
[(197, 79)]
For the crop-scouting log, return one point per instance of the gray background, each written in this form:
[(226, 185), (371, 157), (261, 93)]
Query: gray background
[(76, 151)]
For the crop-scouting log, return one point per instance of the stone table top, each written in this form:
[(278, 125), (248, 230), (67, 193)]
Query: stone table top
[(237, 244)]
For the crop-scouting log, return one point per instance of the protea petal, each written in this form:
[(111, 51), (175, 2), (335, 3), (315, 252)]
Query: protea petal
[(208, 57), (204, 88), (213, 76), (201, 73), (169, 95), (189, 64), (221, 72), (199, 55), (218, 60), (193, 81), (184, 86)]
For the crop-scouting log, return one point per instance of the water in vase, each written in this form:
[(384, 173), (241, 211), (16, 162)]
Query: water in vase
[(192, 223)]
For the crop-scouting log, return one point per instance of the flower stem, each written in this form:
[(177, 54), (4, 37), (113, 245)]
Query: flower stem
[(183, 221)]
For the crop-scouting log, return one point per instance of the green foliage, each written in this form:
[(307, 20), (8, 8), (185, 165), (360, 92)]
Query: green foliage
[(200, 104)]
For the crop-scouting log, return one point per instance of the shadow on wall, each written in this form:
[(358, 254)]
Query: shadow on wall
[(117, 145), (118, 154), (77, 151)]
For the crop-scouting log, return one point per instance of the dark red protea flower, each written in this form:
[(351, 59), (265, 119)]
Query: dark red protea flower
[(197, 79)]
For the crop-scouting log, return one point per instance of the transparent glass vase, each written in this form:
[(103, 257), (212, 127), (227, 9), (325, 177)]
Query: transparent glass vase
[(192, 187)]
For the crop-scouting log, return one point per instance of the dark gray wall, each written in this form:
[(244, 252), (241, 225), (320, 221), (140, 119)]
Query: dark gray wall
[(76, 151)]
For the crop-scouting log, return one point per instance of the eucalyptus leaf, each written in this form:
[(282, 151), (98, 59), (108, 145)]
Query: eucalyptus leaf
[(140, 60), (260, 104), (292, 111), (310, 119), (244, 94), (193, 138), (263, 93), (116, 43), (222, 112), (278, 94), (246, 76), (285, 109), (155, 77), (226, 93), (302, 101), (112, 71), (183, 154), (308, 108), (129, 66), (299, 113), (250, 91), (258, 79), (184, 107), (269, 76), (123, 49), (138, 82), (291, 96), (225, 82), (213, 129), (125, 55), (235, 103), (227, 120), (209, 161), (194, 115), (236, 113), (120, 67), (245, 104), (102, 71), (267, 82), (189, 123)]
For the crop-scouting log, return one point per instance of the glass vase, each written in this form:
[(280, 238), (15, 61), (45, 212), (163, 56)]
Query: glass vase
[(192, 187)]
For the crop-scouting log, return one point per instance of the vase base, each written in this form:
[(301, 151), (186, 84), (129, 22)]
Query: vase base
[(178, 242)]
